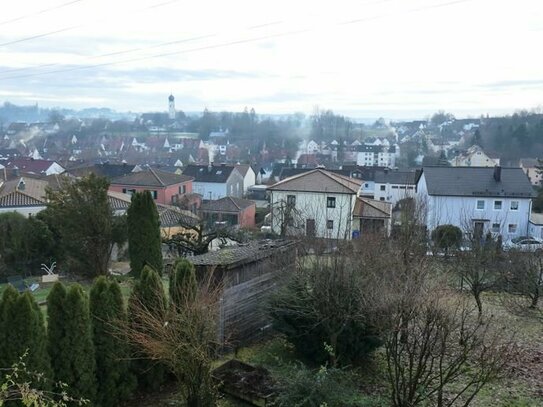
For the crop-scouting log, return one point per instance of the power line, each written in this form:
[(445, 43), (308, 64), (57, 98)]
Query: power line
[(233, 43), (37, 13), (131, 50), (73, 27)]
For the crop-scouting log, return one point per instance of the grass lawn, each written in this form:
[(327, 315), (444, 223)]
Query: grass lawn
[(521, 386)]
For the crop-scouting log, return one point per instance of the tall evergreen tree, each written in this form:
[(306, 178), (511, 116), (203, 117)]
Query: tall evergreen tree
[(23, 331), (9, 297), (56, 331), (149, 293), (115, 381), (76, 346), (144, 242), (183, 282)]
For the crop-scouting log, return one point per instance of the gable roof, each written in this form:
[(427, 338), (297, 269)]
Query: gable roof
[(370, 208), (477, 181), (107, 170), (30, 187), (151, 178), (204, 173), (169, 216), (30, 164), (17, 199), (227, 204), (318, 180), (396, 177), (243, 169)]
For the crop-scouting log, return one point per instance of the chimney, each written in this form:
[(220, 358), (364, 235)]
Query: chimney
[(497, 173)]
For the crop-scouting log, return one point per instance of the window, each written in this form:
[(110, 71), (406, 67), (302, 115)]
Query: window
[(394, 186), (512, 229), (495, 228), (480, 204), (182, 189), (497, 205), (366, 185), (381, 199), (329, 224), (155, 194), (514, 205), (330, 202), (383, 187), (291, 200)]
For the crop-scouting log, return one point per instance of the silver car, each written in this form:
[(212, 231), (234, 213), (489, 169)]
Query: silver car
[(524, 244)]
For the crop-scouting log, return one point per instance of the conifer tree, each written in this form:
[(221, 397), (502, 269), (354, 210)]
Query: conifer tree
[(56, 303), (77, 347), (23, 331), (144, 242), (183, 284), (9, 296), (114, 379), (149, 293)]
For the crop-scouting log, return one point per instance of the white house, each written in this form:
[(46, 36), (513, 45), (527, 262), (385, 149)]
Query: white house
[(393, 186), (372, 155), (215, 181), (476, 199), (249, 176), (317, 203)]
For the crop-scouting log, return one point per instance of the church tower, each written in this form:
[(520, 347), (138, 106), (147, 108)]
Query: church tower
[(171, 107)]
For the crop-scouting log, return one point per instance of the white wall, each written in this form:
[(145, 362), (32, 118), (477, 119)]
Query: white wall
[(249, 180), (217, 190), (393, 193), (462, 212), (313, 205), (54, 169)]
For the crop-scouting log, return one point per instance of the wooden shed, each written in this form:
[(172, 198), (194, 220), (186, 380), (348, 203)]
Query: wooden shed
[(249, 273)]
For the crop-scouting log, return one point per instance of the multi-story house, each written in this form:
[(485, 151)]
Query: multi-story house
[(371, 155), (478, 200), (215, 181), (165, 187), (316, 203), (393, 186)]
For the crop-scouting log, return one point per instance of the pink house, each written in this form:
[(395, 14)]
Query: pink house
[(165, 187)]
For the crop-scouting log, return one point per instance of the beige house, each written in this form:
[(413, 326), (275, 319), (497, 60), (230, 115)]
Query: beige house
[(474, 157), (529, 166)]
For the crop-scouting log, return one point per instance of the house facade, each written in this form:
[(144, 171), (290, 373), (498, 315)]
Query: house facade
[(249, 176), (230, 212), (474, 157), (165, 187), (317, 203), (392, 186), (478, 200), (215, 181)]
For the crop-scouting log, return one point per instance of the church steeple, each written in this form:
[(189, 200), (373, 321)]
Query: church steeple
[(171, 107)]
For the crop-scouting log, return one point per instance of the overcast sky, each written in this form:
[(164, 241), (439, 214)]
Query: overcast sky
[(362, 58)]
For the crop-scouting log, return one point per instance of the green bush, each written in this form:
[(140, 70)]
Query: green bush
[(319, 310), (447, 237), (304, 387)]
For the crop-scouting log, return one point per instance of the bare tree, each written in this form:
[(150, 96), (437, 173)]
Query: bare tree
[(479, 268), (197, 236), (185, 339), (443, 354)]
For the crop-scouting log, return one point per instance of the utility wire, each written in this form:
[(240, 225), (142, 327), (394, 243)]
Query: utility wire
[(37, 13), (236, 42), (73, 27)]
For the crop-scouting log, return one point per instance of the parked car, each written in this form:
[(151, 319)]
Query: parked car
[(524, 244)]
